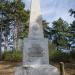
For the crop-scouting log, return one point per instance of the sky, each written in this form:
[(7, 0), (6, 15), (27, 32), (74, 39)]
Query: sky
[(51, 10)]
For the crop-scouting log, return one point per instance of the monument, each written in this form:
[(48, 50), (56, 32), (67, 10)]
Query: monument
[(35, 50)]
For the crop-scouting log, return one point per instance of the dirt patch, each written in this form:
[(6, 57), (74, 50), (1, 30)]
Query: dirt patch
[(8, 68), (69, 68)]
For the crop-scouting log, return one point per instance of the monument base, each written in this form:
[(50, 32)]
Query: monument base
[(35, 51), (37, 70)]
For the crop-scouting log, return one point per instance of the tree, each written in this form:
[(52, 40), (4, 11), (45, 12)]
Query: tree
[(20, 17), (72, 32), (72, 11), (3, 21), (72, 25), (60, 32), (16, 14)]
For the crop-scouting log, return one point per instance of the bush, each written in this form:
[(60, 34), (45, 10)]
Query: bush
[(17, 56), (7, 55), (59, 56), (12, 56), (72, 54)]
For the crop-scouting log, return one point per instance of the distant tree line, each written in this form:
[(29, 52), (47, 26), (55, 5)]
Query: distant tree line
[(61, 33)]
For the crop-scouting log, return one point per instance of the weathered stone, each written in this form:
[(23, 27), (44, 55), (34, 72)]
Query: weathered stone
[(35, 49), (35, 25), (37, 70)]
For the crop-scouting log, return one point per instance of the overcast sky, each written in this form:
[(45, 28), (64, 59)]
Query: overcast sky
[(53, 9)]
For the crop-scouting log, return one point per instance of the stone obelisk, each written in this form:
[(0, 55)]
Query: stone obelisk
[(35, 20), (35, 46), (35, 50)]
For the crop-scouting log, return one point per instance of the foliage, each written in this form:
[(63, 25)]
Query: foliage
[(16, 13), (72, 12), (7, 56), (13, 13), (60, 32), (12, 56), (72, 54), (52, 48), (20, 16), (59, 56), (72, 29)]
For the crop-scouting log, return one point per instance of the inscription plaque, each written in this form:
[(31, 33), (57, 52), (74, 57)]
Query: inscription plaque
[(35, 51)]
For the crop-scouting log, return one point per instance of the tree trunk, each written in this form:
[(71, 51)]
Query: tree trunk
[(0, 46)]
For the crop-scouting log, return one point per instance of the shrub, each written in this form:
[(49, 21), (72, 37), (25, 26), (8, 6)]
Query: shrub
[(12, 56), (59, 56), (17, 56), (72, 55), (7, 56)]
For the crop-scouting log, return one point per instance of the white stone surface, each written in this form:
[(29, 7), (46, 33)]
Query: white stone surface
[(35, 11), (39, 70), (35, 31), (35, 51), (35, 25)]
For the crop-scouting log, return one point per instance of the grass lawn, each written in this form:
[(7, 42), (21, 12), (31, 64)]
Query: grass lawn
[(8, 68)]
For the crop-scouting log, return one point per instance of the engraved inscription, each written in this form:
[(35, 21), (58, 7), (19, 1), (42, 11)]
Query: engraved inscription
[(35, 51)]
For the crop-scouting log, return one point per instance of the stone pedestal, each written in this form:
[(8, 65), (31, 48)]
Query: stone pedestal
[(35, 51), (37, 70)]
